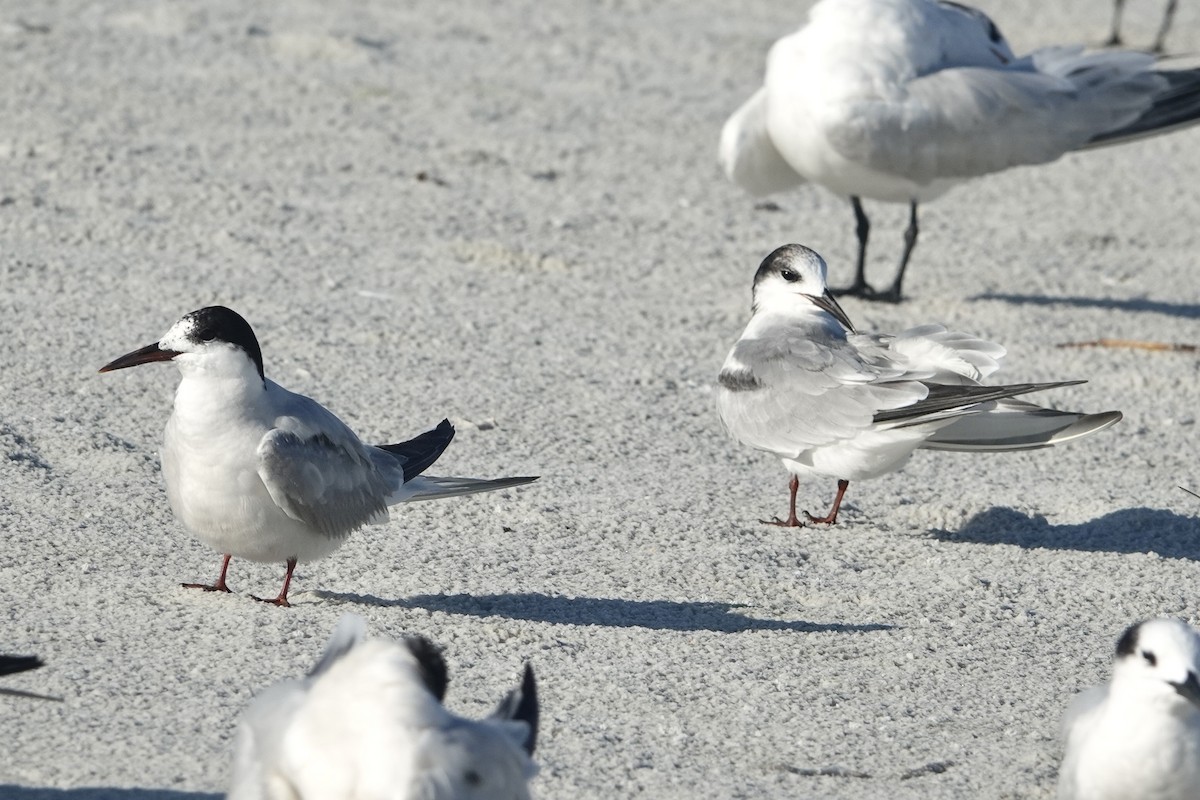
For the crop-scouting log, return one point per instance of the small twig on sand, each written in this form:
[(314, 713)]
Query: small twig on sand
[(1136, 344), (1189, 491)]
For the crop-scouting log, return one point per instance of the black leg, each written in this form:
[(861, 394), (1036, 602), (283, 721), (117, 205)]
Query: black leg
[(1168, 15), (862, 228), (892, 295), (1114, 39)]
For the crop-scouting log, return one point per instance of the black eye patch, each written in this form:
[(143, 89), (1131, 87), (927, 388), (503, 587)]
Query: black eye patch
[(1151, 659)]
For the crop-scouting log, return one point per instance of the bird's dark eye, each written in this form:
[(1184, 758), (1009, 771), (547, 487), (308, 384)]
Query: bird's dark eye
[(473, 778), (1151, 659), (789, 276), (207, 335)]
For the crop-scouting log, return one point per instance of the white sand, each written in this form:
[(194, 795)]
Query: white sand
[(573, 268)]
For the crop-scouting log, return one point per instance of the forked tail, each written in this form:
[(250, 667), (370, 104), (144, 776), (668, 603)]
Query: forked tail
[(430, 487), (1018, 426)]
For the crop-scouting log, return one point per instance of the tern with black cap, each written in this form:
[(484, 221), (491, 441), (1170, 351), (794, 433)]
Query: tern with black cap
[(1138, 736), (367, 723), (262, 473)]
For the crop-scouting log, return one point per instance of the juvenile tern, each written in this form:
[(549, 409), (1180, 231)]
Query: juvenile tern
[(368, 723), (803, 384), (258, 472), (1138, 737), (901, 100), (1159, 41)]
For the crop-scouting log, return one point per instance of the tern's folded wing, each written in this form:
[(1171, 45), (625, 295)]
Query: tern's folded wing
[(969, 121), (953, 398), (786, 397), (332, 486)]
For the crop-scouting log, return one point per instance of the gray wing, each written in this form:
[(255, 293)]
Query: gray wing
[(319, 473), (788, 391), (969, 121), (1176, 106)]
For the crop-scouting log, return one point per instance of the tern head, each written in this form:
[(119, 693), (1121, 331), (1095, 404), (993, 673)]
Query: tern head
[(1157, 655), (214, 338), (791, 279)]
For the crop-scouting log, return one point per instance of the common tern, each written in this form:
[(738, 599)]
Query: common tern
[(803, 384), (1138, 737), (259, 472), (1160, 39), (901, 100), (11, 665), (368, 723)]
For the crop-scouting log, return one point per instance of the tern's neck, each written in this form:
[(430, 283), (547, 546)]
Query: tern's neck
[(1158, 696), (772, 315), (227, 389)]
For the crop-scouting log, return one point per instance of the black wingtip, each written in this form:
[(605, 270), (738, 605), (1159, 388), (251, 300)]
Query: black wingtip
[(420, 452), (434, 674), (10, 665), (528, 709), (943, 397), (521, 705), (1176, 106)]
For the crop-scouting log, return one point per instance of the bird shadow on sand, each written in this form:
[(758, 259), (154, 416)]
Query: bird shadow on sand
[(1186, 310), (659, 615), (9, 792), (1130, 530)]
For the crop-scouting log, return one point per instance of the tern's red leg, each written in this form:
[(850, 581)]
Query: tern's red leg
[(791, 521), (219, 586), (282, 600), (831, 518)]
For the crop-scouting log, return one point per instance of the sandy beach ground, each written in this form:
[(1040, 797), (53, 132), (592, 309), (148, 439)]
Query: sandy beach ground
[(510, 214)]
